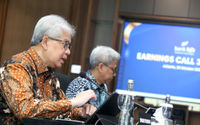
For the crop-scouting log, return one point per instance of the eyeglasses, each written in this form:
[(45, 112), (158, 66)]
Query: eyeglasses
[(114, 70), (66, 44)]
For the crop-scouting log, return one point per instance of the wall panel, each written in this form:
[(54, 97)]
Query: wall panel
[(22, 16)]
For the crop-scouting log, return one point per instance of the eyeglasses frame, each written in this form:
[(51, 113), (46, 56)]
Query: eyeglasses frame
[(67, 45), (114, 70)]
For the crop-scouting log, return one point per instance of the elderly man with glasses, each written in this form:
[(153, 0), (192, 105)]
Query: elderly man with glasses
[(103, 67), (28, 85)]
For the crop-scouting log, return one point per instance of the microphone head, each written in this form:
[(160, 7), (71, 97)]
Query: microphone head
[(83, 75)]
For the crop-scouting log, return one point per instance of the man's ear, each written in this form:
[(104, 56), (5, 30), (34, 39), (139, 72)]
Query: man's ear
[(44, 42), (100, 67)]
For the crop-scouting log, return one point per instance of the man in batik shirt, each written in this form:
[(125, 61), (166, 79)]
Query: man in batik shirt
[(27, 82), (103, 65)]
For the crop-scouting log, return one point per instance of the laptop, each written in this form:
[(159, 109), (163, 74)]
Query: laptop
[(106, 113)]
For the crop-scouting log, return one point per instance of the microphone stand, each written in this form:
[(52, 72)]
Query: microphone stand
[(141, 106)]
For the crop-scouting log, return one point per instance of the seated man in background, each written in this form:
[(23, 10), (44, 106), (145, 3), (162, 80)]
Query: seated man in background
[(27, 83), (103, 64)]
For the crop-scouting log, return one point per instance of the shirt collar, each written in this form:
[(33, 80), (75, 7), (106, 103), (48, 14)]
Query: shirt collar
[(89, 74), (40, 65)]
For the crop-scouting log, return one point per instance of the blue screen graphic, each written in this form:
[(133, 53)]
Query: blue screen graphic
[(161, 59)]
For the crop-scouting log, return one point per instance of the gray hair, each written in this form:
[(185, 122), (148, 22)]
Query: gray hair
[(51, 25), (103, 54)]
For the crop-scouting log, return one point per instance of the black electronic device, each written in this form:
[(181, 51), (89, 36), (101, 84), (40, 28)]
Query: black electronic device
[(144, 118), (107, 112)]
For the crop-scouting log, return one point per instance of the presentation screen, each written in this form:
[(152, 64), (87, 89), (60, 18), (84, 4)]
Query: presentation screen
[(161, 59)]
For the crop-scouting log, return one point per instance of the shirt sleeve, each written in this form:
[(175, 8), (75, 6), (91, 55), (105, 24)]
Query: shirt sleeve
[(17, 89), (79, 85), (75, 87)]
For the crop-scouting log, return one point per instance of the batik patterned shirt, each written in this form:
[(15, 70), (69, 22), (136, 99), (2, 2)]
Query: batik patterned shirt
[(29, 89), (80, 84)]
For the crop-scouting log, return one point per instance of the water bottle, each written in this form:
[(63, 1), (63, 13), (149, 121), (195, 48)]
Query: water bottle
[(125, 103), (167, 111), (167, 107), (130, 85), (130, 88), (167, 99)]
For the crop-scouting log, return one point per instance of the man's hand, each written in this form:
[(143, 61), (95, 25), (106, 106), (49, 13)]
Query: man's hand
[(82, 98), (87, 110)]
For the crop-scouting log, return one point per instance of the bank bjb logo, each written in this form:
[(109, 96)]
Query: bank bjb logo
[(184, 49)]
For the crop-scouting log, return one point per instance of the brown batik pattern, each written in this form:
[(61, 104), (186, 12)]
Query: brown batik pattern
[(29, 89)]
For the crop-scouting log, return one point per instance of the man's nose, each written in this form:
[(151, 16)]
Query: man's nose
[(68, 51)]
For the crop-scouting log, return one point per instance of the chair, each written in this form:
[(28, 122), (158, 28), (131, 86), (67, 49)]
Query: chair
[(64, 80), (1, 70)]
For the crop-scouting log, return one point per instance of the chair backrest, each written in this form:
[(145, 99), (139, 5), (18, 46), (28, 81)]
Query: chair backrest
[(64, 80), (1, 69)]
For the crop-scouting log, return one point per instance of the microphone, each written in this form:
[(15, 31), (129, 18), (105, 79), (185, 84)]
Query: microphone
[(83, 75)]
